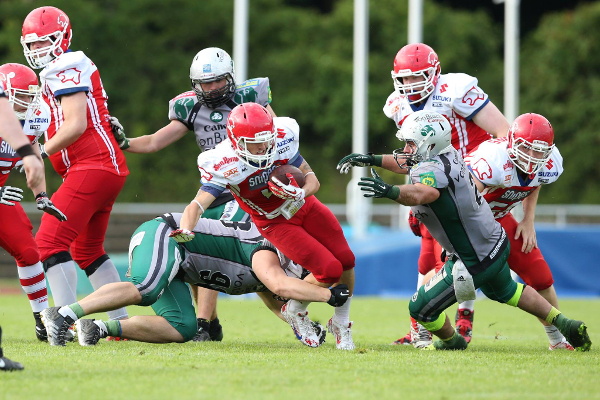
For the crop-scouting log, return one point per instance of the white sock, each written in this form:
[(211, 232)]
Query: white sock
[(554, 335), (33, 282), (66, 311), (342, 314), (469, 304), (62, 279), (296, 306), (420, 280), (107, 273)]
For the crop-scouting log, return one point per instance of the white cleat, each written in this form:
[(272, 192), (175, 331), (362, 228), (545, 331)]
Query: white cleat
[(420, 337), (342, 334), (563, 345), (303, 327), (57, 326), (88, 332)]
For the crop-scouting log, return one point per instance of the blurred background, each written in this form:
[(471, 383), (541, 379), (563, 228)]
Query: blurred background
[(144, 48)]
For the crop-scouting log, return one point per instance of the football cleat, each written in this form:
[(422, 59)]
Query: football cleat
[(403, 340), (420, 337), (456, 343), (464, 323), (57, 326), (202, 336), (40, 329), (302, 326), (116, 339), (215, 330), (576, 333), (88, 332), (342, 334), (321, 331), (9, 365), (562, 345)]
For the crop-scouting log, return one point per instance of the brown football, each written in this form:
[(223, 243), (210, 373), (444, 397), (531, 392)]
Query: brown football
[(282, 170)]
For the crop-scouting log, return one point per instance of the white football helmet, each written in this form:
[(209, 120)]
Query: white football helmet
[(209, 65), (431, 134)]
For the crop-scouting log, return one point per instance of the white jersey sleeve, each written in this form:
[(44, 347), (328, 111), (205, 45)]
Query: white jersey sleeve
[(288, 139), (468, 97), (392, 108), (69, 73), (487, 162)]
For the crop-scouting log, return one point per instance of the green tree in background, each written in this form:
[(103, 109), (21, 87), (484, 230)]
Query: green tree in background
[(143, 49)]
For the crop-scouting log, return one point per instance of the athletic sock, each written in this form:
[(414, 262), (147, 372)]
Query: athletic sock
[(553, 316), (110, 328), (342, 314), (469, 305), (420, 280), (33, 282), (76, 308), (554, 335), (66, 311), (296, 306), (62, 279), (104, 274)]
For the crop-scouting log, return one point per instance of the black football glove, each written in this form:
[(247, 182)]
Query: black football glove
[(355, 160), (376, 187), (45, 204), (339, 295)]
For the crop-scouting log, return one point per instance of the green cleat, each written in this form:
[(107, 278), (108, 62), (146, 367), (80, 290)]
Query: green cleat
[(456, 343), (575, 332)]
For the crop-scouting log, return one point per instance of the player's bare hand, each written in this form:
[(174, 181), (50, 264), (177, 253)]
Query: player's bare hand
[(182, 235), (355, 160), (526, 230), (289, 191), (34, 170), (9, 195), (43, 203)]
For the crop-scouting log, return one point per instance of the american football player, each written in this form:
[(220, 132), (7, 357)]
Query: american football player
[(444, 197)]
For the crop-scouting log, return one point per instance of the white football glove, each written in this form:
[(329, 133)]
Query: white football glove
[(8, 194), (118, 132), (44, 204), (182, 235), (290, 191)]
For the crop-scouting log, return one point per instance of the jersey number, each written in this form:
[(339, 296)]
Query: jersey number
[(478, 200), (217, 279), (240, 226)]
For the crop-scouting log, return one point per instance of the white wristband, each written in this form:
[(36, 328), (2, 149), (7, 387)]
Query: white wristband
[(308, 173), (199, 205)]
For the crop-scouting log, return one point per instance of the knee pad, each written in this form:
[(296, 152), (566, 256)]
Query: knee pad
[(58, 258), (96, 264)]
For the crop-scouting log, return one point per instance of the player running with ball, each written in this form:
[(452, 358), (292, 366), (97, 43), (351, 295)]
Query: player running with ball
[(290, 217)]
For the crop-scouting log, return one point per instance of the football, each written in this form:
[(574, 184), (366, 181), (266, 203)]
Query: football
[(282, 170)]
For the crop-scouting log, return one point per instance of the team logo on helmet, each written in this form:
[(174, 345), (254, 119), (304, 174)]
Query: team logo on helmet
[(427, 129), (432, 58), (216, 116)]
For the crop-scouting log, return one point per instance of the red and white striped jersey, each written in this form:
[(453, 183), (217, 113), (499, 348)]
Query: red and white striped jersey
[(504, 187), (221, 168), (34, 126), (96, 148), (456, 96)]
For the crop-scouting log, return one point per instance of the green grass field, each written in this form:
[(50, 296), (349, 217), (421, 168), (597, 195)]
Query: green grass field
[(260, 358)]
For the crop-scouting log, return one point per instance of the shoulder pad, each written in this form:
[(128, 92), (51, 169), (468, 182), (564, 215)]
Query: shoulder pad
[(181, 106)]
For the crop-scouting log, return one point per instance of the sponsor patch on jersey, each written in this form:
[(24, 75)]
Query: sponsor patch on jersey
[(231, 172), (249, 83), (443, 88), (70, 74), (547, 174), (508, 166), (216, 116), (441, 98), (542, 180), (428, 179), (224, 161), (436, 104)]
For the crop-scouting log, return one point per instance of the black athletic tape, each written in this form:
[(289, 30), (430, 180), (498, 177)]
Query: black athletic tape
[(93, 267), (55, 259)]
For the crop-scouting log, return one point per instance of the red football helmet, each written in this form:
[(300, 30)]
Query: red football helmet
[(530, 142), (419, 60), (21, 86), (45, 23), (251, 123)]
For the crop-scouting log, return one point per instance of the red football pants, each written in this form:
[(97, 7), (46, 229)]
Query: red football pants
[(313, 238), (16, 236), (86, 198), (531, 267)]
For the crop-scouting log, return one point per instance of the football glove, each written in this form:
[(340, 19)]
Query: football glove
[(44, 204), (339, 295), (376, 187), (182, 235), (118, 132), (355, 160), (43, 151), (415, 224), (289, 191), (8, 194)]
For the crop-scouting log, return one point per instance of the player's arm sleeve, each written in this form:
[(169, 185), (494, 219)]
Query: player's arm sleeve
[(264, 92), (213, 182), (469, 98), (71, 74), (429, 173)]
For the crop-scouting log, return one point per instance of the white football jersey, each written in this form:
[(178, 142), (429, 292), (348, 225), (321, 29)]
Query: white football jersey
[(456, 96), (504, 187), (220, 168)]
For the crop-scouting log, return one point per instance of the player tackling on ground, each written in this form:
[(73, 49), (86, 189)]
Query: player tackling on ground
[(290, 217), (444, 197)]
